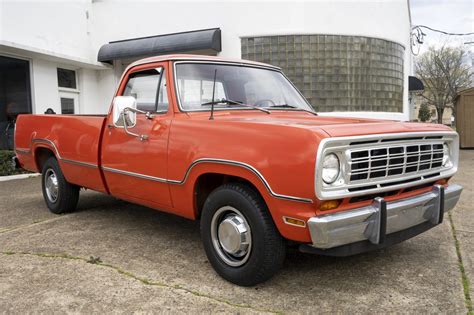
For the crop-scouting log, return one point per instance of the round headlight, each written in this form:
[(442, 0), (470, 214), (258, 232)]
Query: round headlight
[(445, 154), (331, 168)]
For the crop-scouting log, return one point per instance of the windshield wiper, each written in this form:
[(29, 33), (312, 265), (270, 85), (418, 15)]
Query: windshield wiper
[(221, 101), (292, 106), (231, 102)]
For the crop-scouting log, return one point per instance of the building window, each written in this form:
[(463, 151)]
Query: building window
[(335, 72), (68, 91), (67, 106), (67, 78)]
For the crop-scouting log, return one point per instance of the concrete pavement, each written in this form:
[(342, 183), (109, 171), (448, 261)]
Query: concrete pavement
[(114, 256)]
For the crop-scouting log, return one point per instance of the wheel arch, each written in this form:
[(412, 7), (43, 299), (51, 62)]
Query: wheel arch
[(204, 178), (41, 155), (207, 182)]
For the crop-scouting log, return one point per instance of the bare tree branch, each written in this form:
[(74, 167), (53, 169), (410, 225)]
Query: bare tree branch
[(443, 74)]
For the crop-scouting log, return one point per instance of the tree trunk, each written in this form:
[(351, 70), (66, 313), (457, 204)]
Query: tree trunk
[(440, 111), (454, 114)]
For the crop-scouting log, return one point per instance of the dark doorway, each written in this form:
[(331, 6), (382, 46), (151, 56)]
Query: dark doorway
[(15, 97)]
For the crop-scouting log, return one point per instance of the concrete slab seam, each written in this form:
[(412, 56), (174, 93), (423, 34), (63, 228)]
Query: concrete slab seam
[(98, 262), (19, 227), (464, 278)]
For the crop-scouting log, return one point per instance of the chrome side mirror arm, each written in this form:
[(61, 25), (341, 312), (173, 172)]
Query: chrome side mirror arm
[(148, 115)]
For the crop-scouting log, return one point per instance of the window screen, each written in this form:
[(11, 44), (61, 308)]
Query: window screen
[(67, 106), (67, 78)]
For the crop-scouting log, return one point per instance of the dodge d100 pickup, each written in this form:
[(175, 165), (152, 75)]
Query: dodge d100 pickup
[(234, 144)]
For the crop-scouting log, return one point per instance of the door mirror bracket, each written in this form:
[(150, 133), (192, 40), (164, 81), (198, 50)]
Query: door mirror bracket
[(124, 115), (124, 120)]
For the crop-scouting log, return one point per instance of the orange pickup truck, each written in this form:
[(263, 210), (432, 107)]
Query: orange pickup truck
[(234, 144)]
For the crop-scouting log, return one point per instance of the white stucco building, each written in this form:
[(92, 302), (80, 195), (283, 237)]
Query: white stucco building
[(348, 57)]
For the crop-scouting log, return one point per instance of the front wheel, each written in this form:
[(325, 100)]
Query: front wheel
[(240, 238), (59, 195)]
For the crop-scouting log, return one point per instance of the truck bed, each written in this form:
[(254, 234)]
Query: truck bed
[(73, 139)]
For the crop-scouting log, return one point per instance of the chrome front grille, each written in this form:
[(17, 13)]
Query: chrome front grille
[(394, 160), (384, 163)]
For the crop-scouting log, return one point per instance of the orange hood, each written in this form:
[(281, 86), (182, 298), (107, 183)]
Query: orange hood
[(333, 126)]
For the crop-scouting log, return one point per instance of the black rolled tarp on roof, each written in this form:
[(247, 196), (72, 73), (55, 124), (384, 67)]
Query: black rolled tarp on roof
[(209, 39), (415, 84)]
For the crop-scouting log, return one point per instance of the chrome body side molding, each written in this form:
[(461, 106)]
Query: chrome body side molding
[(51, 143), (22, 151), (79, 163), (246, 166), (172, 181), (138, 175), (215, 161)]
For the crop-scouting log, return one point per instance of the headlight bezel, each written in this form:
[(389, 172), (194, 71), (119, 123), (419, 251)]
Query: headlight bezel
[(446, 155), (337, 161)]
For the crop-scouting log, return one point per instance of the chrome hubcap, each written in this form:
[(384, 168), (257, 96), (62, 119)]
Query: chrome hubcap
[(51, 185), (231, 236)]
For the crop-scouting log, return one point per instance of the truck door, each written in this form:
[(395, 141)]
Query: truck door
[(136, 169)]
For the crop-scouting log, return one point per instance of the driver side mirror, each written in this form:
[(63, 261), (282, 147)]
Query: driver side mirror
[(124, 107)]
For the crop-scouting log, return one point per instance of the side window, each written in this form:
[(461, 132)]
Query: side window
[(163, 94), (143, 86)]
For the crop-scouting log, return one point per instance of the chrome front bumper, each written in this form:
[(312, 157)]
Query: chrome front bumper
[(379, 220)]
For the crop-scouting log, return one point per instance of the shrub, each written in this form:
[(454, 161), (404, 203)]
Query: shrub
[(424, 114), (6, 164)]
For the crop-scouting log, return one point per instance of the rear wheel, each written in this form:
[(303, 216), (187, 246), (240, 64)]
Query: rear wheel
[(59, 195), (240, 238)]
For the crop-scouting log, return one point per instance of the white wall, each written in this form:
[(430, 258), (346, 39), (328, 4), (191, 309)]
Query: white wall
[(93, 98), (56, 26), (79, 28), (45, 86), (386, 19), (97, 89)]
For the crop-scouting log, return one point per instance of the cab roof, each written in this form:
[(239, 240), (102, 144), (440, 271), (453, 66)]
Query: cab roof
[(188, 57)]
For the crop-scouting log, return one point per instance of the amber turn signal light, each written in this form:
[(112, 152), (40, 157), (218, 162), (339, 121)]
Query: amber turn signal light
[(293, 221), (329, 205)]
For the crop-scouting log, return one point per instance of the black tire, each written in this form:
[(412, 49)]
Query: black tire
[(268, 247), (67, 194)]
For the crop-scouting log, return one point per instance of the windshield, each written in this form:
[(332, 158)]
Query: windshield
[(235, 84)]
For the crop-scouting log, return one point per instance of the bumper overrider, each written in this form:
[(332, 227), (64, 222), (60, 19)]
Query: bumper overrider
[(380, 224)]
